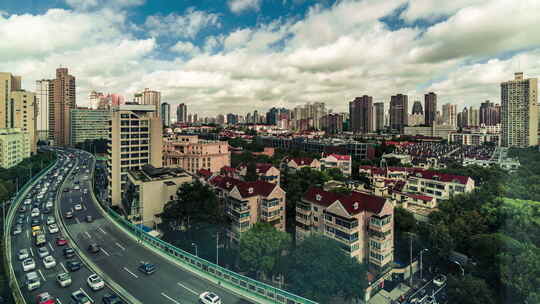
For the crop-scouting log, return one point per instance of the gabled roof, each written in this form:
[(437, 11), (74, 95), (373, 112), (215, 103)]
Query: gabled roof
[(204, 173), (246, 189), (420, 173), (261, 167), (339, 156), (354, 203), (301, 161)]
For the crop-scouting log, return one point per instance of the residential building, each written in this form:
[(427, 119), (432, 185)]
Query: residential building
[(247, 203), (434, 131), (181, 113), (338, 161), (148, 190), (14, 147), (192, 154), (88, 124), (149, 97), (135, 139), (361, 114), (266, 172), (25, 115), (474, 138), (378, 108), (63, 100), (417, 108), (9, 83), (430, 107), (449, 114), (166, 114), (399, 105), (232, 119), (332, 123), (490, 114), (94, 99), (296, 163), (473, 117), (43, 99), (519, 112)]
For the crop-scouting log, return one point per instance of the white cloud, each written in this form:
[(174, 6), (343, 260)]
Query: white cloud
[(182, 26), (98, 4), (431, 10), (186, 48), (240, 6)]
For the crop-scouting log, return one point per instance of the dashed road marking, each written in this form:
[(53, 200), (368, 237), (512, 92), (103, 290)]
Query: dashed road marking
[(103, 231), (50, 246), (31, 251), (169, 298), (105, 251), (88, 234), (131, 273), (121, 247), (187, 288), (42, 276), (64, 267)]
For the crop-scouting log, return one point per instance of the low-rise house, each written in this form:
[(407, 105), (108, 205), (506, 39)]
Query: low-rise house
[(296, 163), (266, 172), (337, 161)]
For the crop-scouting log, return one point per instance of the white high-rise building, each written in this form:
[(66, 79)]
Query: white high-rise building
[(43, 112), (449, 114), (519, 112)]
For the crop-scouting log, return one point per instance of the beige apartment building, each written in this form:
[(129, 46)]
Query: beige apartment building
[(338, 161), (362, 224), (62, 98), (192, 154), (148, 190), (14, 147), (296, 163), (247, 203), (266, 172), (135, 139)]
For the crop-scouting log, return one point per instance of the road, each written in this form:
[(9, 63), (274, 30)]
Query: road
[(47, 276), (120, 255)]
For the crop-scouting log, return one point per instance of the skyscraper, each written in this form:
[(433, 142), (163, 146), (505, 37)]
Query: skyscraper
[(430, 107), (449, 114), (181, 113), (166, 113), (63, 100), (519, 112), (399, 105), (8, 84), (378, 107), (43, 99), (361, 114), (489, 113), (417, 108), (149, 97)]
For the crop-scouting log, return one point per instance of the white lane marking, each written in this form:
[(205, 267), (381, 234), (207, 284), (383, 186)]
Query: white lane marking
[(187, 288), (121, 247), (77, 220), (88, 234), (41, 217), (27, 234), (131, 272), (50, 246), (27, 219), (58, 301), (64, 267), (105, 251), (86, 294), (103, 231), (42, 276), (171, 299), (31, 251)]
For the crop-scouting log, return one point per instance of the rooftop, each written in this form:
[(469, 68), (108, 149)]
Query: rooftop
[(149, 173)]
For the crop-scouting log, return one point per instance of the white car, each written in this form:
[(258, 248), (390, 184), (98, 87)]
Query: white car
[(27, 201), (32, 281), (28, 264), (35, 212), (53, 228), (95, 282), (49, 262), (23, 254), (49, 204), (77, 207), (64, 279), (50, 220), (42, 252), (209, 298)]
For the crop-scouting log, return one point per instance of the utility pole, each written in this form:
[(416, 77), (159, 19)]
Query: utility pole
[(411, 276), (217, 248)]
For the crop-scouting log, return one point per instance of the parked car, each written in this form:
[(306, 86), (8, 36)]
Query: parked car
[(209, 298), (32, 281), (73, 265), (112, 299), (45, 298), (64, 279), (61, 241), (68, 252), (23, 254), (80, 297), (49, 262), (95, 282), (28, 264)]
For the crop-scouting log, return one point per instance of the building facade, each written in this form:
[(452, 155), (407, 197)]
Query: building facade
[(399, 107), (135, 139), (88, 124), (62, 90), (378, 108), (332, 123), (181, 113), (265, 171), (430, 108), (14, 147), (490, 114), (449, 114), (166, 114), (519, 112), (149, 97), (337, 161), (417, 108), (43, 99), (361, 114), (192, 154), (297, 163)]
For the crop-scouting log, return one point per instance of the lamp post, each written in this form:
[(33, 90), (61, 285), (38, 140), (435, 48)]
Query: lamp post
[(421, 265), (196, 249)]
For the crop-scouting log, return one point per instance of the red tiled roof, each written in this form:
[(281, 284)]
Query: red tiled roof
[(228, 169), (426, 174), (354, 203), (420, 197), (339, 156), (257, 188), (261, 167), (204, 173), (301, 161)]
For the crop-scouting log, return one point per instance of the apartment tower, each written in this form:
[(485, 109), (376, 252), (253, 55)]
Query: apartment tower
[(430, 107), (378, 108), (399, 107), (181, 113), (43, 113), (449, 114), (62, 100), (361, 114), (166, 113)]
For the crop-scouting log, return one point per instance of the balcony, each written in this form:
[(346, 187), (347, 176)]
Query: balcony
[(306, 210), (379, 235), (271, 216), (303, 219), (380, 224)]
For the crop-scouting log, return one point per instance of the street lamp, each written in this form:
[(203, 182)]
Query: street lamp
[(196, 250), (421, 252), (460, 267)]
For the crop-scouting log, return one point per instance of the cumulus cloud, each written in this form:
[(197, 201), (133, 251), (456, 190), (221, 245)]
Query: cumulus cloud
[(186, 48), (187, 25), (240, 6), (97, 4)]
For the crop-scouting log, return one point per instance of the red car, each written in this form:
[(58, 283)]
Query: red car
[(61, 241), (45, 298)]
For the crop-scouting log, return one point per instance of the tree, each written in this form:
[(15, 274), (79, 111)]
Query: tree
[(469, 290), (320, 270), (251, 173), (335, 174), (404, 220), (262, 248)]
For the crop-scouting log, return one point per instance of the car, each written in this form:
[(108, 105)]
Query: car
[(111, 299), (63, 279), (68, 252), (17, 229), (22, 209), (23, 254), (208, 297), (89, 219), (50, 220), (53, 228), (28, 264), (77, 207), (49, 262), (73, 265), (147, 268), (439, 280), (45, 298), (68, 215), (49, 204), (93, 248), (95, 282), (81, 297), (27, 201), (35, 212), (61, 241), (32, 281), (35, 222), (66, 189), (430, 300), (43, 252)]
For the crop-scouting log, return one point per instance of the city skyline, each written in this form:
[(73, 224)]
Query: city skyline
[(218, 62)]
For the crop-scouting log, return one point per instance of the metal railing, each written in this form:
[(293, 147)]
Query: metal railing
[(13, 284)]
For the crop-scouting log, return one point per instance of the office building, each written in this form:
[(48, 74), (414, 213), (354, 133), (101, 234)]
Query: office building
[(490, 114), (232, 119), (332, 123), (88, 124), (417, 108), (473, 117), (192, 154), (149, 97), (416, 120), (8, 84), (63, 99), (399, 107), (43, 99), (378, 108), (519, 112), (135, 139), (361, 114), (166, 114), (94, 99), (181, 113), (449, 114), (14, 147), (430, 108)]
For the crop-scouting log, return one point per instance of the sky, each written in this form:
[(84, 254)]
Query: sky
[(236, 56)]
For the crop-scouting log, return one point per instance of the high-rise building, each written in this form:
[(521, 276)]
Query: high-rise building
[(361, 114), (274, 115), (220, 119), (14, 147), (417, 108), (166, 113), (232, 119), (473, 117), (88, 124), (8, 84), (43, 99), (332, 123), (63, 100), (378, 108), (135, 140), (490, 114), (430, 107), (181, 113), (94, 99), (449, 114), (149, 97), (519, 112), (399, 108)]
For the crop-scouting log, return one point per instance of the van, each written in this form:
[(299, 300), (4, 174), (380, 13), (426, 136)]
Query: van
[(32, 281)]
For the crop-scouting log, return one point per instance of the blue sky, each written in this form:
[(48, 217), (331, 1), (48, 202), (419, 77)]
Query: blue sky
[(244, 55)]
